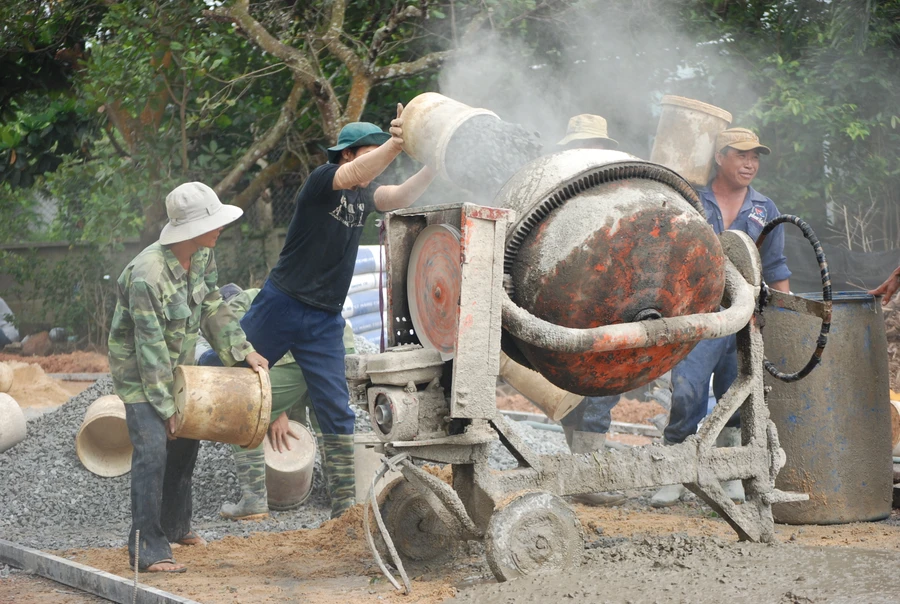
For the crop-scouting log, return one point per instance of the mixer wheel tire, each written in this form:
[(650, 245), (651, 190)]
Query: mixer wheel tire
[(530, 533), (417, 531)]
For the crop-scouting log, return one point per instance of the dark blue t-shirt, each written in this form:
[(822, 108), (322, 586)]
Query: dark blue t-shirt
[(319, 254)]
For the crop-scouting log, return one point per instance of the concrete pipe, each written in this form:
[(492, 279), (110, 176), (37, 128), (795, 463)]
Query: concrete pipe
[(12, 422), (555, 402), (6, 377), (686, 137), (289, 474), (102, 443), (429, 122), (222, 404)]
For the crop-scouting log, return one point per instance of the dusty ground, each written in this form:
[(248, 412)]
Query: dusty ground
[(73, 362), (332, 564), (32, 387)]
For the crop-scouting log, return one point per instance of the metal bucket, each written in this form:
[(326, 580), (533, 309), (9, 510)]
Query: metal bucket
[(12, 422), (289, 474), (429, 122), (6, 377), (834, 425), (686, 137), (227, 405), (102, 443)]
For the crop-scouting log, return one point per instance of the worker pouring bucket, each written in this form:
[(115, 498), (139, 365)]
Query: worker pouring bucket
[(222, 404), (289, 473), (686, 137), (102, 443)]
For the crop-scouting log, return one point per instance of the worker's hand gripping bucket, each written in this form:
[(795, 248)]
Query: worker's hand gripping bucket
[(686, 137), (102, 443), (227, 405)]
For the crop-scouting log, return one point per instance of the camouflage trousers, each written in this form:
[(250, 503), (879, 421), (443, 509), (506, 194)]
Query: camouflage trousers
[(289, 394)]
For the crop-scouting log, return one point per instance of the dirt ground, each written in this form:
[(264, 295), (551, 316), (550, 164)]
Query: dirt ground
[(332, 564), (73, 362)]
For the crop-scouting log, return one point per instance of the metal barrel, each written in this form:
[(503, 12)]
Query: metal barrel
[(835, 424)]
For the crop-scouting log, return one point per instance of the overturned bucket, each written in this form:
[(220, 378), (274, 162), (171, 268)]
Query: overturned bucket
[(6, 377), (102, 443), (686, 137), (12, 422), (289, 474), (222, 404)]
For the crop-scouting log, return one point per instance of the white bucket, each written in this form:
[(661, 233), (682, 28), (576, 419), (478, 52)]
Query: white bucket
[(102, 443), (12, 422), (289, 474)]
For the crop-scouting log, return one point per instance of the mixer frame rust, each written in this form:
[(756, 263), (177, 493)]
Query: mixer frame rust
[(445, 411)]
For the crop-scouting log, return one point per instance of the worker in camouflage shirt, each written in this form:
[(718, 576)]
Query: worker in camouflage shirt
[(164, 296), (290, 401)]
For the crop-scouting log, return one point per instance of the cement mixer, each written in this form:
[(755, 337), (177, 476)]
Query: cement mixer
[(597, 270)]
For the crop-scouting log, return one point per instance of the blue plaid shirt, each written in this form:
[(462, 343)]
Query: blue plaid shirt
[(753, 216)]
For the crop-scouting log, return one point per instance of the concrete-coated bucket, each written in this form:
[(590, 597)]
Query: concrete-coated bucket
[(6, 377), (429, 122), (367, 461), (555, 402), (835, 424), (102, 443), (289, 474), (686, 137), (12, 422), (222, 404), (895, 425)]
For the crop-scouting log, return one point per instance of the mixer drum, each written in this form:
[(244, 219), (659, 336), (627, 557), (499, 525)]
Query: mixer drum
[(604, 238)]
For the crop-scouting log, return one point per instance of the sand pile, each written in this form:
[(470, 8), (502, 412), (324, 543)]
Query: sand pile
[(33, 388)]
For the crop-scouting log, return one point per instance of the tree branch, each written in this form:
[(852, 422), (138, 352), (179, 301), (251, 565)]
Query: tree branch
[(266, 143), (385, 32), (402, 70), (288, 162)]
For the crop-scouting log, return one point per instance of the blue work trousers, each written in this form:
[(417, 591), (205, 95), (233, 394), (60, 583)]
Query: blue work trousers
[(690, 385), (593, 414), (276, 324)]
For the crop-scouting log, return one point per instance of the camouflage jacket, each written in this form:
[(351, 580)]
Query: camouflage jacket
[(160, 309)]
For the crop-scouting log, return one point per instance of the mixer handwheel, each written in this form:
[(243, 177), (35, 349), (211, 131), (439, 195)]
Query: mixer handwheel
[(531, 533), (417, 531)]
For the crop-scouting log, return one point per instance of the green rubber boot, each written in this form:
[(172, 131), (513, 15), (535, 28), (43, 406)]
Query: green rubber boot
[(340, 471), (251, 474)]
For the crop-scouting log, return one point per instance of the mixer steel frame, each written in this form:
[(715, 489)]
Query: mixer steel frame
[(450, 412)]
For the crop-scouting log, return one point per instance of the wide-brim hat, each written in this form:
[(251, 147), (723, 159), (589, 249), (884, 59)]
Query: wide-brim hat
[(194, 209), (741, 139), (357, 134), (587, 127)]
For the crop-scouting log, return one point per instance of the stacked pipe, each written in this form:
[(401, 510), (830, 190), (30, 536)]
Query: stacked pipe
[(363, 308)]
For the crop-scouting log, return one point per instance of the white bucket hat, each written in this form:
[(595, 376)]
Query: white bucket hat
[(194, 209)]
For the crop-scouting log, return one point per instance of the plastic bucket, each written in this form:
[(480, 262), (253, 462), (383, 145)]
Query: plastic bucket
[(835, 424), (429, 122), (102, 443), (222, 404), (686, 137), (6, 377), (289, 474), (12, 422)]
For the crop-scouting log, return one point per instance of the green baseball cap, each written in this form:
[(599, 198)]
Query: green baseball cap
[(357, 134)]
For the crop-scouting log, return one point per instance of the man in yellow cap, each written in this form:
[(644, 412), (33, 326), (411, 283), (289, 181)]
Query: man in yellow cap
[(586, 426), (730, 203)]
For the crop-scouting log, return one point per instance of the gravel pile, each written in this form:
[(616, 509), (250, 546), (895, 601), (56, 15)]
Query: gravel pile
[(50, 501)]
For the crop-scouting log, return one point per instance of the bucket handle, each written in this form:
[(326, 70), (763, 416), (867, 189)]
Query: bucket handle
[(822, 311)]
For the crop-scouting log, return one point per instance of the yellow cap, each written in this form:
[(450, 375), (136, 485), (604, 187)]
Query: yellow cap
[(741, 139), (586, 127)]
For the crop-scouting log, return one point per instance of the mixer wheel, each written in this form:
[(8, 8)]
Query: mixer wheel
[(534, 532), (417, 531)]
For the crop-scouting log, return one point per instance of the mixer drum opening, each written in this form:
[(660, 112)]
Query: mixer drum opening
[(625, 250)]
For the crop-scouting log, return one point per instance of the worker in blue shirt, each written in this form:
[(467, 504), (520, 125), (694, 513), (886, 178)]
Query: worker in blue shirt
[(730, 203)]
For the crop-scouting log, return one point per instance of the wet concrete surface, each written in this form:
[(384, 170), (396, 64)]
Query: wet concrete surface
[(687, 569)]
